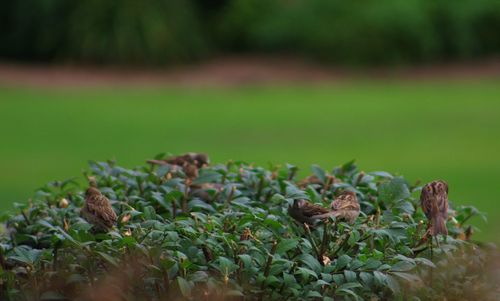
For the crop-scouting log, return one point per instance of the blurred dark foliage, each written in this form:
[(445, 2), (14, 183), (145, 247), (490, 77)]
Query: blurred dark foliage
[(164, 32)]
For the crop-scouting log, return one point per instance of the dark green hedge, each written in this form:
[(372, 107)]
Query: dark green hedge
[(161, 31), (227, 235), (112, 31)]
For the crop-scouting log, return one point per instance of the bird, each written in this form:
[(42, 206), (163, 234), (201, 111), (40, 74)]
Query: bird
[(307, 212), (189, 162), (346, 207), (434, 201), (98, 211)]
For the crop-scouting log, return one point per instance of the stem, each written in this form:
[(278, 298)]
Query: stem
[(230, 196), (313, 243), (259, 188), (342, 243), (466, 219), (324, 243), (267, 269), (174, 208), (54, 261), (25, 217), (358, 179), (185, 197)]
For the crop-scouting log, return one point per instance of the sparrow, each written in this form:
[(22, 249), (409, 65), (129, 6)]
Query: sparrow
[(306, 212), (197, 159), (97, 210), (310, 180), (346, 206), (434, 201), (189, 162)]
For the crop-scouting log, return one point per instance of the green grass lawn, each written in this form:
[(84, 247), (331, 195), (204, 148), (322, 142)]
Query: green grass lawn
[(423, 130)]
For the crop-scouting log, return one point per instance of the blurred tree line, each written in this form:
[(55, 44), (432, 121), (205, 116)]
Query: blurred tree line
[(157, 32)]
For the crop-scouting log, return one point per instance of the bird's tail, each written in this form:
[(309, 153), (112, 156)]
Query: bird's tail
[(439, 226)]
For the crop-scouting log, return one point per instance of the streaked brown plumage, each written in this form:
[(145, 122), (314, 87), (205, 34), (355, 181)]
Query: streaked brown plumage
[(306, 212), (434, 201), (197, 159), (346, 207), (97, 210), (189, 162), (310, 180)]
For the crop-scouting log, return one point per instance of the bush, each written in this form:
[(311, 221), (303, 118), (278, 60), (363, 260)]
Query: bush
[(227, 234)]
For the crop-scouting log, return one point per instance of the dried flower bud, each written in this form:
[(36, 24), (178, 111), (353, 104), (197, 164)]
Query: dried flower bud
[(63, 203), (126, 218)]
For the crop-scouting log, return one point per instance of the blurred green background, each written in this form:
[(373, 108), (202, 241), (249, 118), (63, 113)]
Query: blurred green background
[(426, 129), (168, 32)]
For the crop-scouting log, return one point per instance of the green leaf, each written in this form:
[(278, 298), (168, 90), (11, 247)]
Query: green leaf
[(393, 284), (425, 261), (207, 176), (319, 172), (350, 285), (184, 287), (311, 262), (408, 277), (197, 203), (109, 258), (394, 190), (305, 272), (367, 278), (350, 276), (372, 264), (313, 294), (382, 174), (226, 265), (380, 278), (343, 291), (342, 262), (285, 245), (403, 266), (246, 259)]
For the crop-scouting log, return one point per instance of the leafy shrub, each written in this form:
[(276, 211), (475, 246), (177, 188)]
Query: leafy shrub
[(227, 234)]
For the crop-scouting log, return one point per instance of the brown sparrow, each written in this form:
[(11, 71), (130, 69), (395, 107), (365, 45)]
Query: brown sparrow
[(306, 212), (346, 206), (310, 180), (434, 201), (97, 210), (199, 160), (189, 162)]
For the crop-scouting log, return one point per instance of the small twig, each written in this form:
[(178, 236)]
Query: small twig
[(342, 243), (185, 196), (25, 217), (174, 208), (259, 188), (313, 243), (267, 268), (230, 196), (324, 243), (358, 179)]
